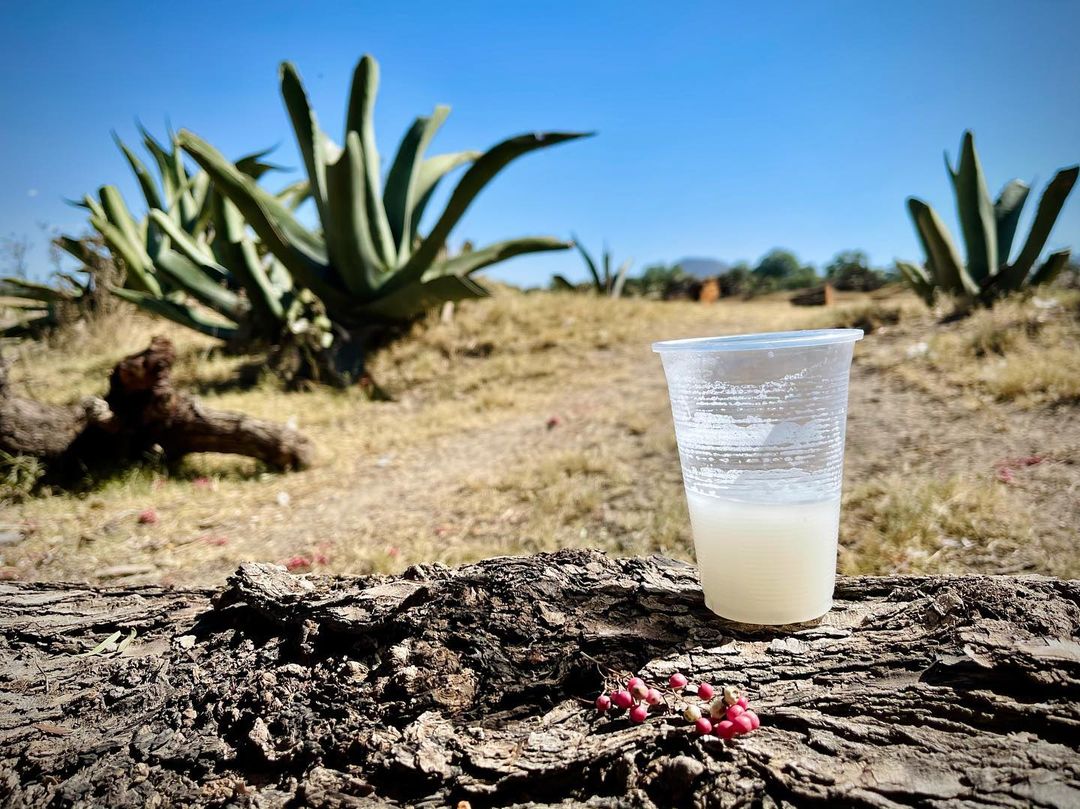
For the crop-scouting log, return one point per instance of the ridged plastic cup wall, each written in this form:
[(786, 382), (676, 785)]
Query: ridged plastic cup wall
[(760, 422)]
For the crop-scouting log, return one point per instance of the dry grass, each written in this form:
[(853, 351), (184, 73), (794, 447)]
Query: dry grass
[(462, 464), (1024, 350), (953, 525)]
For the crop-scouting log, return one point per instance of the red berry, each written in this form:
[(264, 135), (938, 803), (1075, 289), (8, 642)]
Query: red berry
[(742, 723), (754, 721), (147, 517), (704, 690), (640, 690), (297, 562), (653, 697), (603, 702), (742, 703), (703, 726), (677, 681), (735, 710), (622, 698), (639, 713), (725, 729), (632, 682)]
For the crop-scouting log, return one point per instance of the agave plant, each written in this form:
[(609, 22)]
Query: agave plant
[(39, 306), (193, 246), (69, 297), (988, 228), (605, 281), (369, 263)]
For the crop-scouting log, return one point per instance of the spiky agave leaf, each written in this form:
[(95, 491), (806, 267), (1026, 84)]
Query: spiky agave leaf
[(235, 250), (590, 263), (432, 171), (1050, 205), (976, 212), (360, 118), (31, 290), (468, 263), (178, 313), (142, 174), (302, 252), (1007, 210), (1051, 268), (479, 174), (620, 278), (942, 256), (402, 192), (919, 281), (415, 299)]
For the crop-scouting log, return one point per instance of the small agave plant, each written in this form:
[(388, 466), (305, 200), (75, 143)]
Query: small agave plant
[(37, 307), (192, 247), (369, 263), (988, 228), (605, 280)]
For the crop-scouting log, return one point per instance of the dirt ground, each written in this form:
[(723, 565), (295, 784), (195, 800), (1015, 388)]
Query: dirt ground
[(540, 421)]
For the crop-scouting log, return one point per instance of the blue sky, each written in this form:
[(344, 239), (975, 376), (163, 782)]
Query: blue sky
[(725, 129)]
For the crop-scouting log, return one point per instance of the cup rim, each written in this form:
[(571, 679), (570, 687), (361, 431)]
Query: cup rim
[(761, 341)]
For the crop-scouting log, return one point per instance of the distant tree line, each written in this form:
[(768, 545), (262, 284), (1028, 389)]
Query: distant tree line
[(778, 269)]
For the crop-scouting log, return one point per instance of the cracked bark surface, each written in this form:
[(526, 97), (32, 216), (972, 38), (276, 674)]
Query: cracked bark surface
[(444, 685)]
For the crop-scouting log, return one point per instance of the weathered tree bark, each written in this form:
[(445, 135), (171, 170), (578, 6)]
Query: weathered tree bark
[(476, 684), (140, 413)]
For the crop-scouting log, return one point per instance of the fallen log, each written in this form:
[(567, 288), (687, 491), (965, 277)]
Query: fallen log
[(475, 684), (141, 413)]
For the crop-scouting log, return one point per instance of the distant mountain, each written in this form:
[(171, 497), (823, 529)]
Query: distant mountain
[(703, 267)]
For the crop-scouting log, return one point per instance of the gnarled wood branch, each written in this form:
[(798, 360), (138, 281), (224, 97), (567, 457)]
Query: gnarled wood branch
[(475, 684), (141, 411)]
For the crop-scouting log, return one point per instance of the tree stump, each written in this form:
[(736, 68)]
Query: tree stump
[(475, 684)]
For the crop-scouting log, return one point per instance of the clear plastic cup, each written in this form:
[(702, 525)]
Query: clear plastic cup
[(759, 420)]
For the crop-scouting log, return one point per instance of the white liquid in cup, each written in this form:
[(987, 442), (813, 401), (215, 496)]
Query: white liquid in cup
[(765, 563)]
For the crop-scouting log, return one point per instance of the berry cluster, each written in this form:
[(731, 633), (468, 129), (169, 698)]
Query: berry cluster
[(727, 715)]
